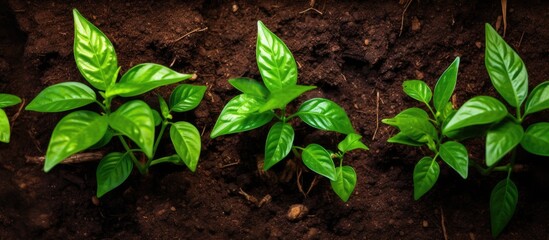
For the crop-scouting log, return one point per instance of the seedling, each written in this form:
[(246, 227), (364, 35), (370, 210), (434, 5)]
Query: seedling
[(417, 129), (6, 100), (134, 120), (504, 131), (260, 102)]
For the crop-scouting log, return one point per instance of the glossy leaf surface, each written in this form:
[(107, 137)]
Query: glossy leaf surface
[(345, 183), (94, 53), (5, 131), (478, 110), (143, 78), (250, 86), (538, 99), (402, 138), (274, 60), (445, 86), (318, 159), (425, 176), (135, 120), (503, 202), (74, 133), (278, 99), (418, 90), (536, 139), (455, 155), (186, 141), (62, 97), (506, 69), (112, 171), (325, 115), (7, 100), (279, 143), (351, 142), (240, 114), (405, 114), (186, 97), (501, 139)]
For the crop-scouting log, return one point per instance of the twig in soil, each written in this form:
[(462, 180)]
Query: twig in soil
[(189, 33), (504, 14), (173, 62), (309, 9), (203, 130), (16, 115), (77, 158), (403, 14), (313, 183), (230, 164), (377, 115), (520, 41), (443, 224)]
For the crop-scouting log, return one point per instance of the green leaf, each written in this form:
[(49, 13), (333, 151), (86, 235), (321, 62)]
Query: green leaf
[(405, 114), (425, 176), (275, 61), (250, 86), (143, 78), (503, 202), (418, 90), (186, 97), (62, 97), (401, 138), (345, 183), (112, 171), (445, 86), (240, 114), (74, 133), (94, 53), (455, 155), (279, 143), (351, 142), (325, 115), (5, 131), (7, 100), (538, 99), (104, 140), (501, 139), (278, 99), (506, 69), (476, 111), (186, 141), (536, 139), (318, 159), (157, 117), (135, 120), (164, 108), (468, 132)]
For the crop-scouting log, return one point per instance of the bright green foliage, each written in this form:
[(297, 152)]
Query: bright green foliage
[(502, 130), (6, 100), (133, 120), (417, 128), (260, 102)]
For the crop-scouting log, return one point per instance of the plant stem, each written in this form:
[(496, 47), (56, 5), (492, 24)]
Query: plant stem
[(296, 153), (136, 162), (493, 168), (519, 115), (169, 159), (165, 123)]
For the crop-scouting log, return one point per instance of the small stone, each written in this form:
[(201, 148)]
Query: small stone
[(425, 223), (416, 24), (296, 212), (235, 8), (478, 44), (193, 77), (419, 74), (173, 209), (366, 42), (95, 200), (160, 212)]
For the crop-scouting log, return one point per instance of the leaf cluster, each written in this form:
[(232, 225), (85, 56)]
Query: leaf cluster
[(6, 100)]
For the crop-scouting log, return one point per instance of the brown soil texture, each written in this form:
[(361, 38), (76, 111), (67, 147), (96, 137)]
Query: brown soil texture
[(351, 50)]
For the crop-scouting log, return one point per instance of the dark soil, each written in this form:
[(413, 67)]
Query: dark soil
[(352, 51)]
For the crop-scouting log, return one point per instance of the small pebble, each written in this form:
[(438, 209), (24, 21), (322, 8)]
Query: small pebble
[(425, 223), (296, 212), (193, 77), (478, 44), (95, 201), (235, 7), (416, 24), (366, 41), (173, 209)]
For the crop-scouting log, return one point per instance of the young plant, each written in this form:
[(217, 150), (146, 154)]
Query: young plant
[(503, 131), (418, 128), (6, 100), (134, 120), (260, 103)]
